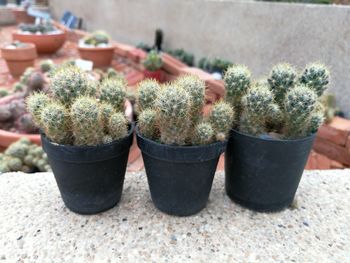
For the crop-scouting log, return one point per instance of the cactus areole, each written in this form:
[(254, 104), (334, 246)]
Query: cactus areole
[(275, 126)]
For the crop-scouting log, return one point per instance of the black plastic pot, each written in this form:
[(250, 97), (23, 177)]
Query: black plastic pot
[(90, 178), (263, 174), (180, 177)]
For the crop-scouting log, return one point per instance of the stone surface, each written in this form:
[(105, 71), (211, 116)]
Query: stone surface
[(36, 227), (258, 34)]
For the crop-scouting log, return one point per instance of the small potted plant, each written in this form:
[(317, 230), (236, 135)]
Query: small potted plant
[(276, 123), (97, 48), (180, 147), (45, 36), (153, 64), (18, 57), (86, 137)]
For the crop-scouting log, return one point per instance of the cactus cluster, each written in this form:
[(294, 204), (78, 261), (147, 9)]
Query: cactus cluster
[(171, 113), (42, 28), (80, 111), (23, 156), (287, 103), (97, 38), (153, 61)]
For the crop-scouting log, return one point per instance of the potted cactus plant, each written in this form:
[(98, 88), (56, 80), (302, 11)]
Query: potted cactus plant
[(18, 57), (86, 137), (97, 48), (153, 64), (45, 36), (275, 125), (180, 147)]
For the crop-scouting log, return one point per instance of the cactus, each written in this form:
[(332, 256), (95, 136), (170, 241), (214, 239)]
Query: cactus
[(330, 106), (316, 76), (97, 38), (18, 87), (87, 121), (118, 126), (69, 82), (46, 65), (173, 106), (316, 119), (237, 81), (147, 123), (35, 103), (113, 91), (221, 118), (23, 156), (147, 93), (196, 89), (282, 78), (298, 104), (54, 120), (106, 110), (203, 133), (153, 61), (4, 92)]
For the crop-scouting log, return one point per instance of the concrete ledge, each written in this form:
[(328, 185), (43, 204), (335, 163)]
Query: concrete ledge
[(36, 227)]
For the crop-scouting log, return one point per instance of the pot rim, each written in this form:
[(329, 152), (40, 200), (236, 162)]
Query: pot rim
[(61, 33), (180, 154), (112, 47), (27, 46), (234, 131)]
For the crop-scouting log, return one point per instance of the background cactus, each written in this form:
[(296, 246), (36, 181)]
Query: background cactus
[(173, 114), (153, 61), (46, 65), (23, 156), (97, 38), (284, 106)]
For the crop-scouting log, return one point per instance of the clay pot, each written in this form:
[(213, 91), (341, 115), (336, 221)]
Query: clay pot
[(22, 16), (45, 43), (157, 75), (100, 56), (6, 138), (19, 59)]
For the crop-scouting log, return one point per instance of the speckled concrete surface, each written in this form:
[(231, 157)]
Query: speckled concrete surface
[(36, 227)]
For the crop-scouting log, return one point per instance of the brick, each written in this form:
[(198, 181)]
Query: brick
[(198, 72), (311, 163), (323, 162), (332, 151), (336, 165), (122, 49), (332, 134), (217, 87), (136, 54), (172, 65), (221, 163)]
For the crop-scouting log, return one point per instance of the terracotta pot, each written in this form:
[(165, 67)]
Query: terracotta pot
[(157, 75), (6, 138), (45, 43), (19, 59), (100, 56), (22, 16)]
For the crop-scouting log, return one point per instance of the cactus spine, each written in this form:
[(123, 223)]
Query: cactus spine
[(204, 133), (316, 76), (147, 123), (118, 126), (221, 119)]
